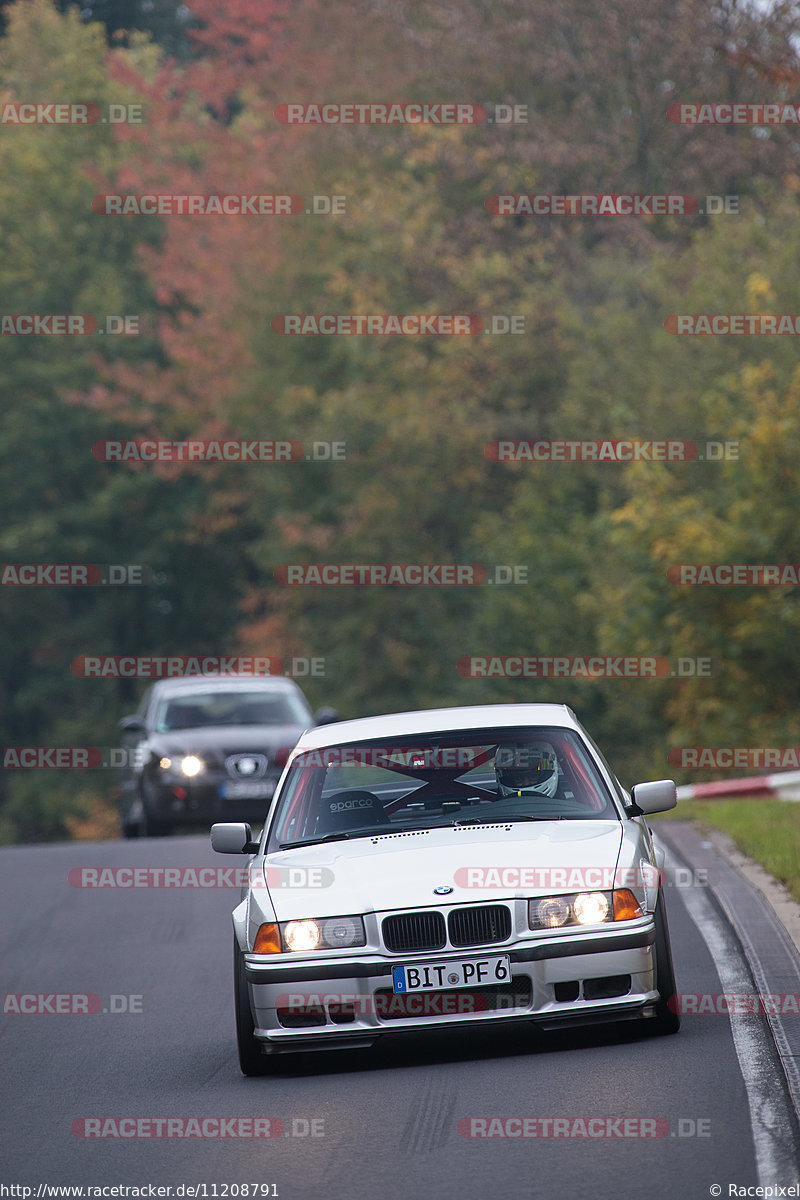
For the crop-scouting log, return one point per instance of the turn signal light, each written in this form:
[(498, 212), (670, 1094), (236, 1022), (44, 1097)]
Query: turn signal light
[(626, 906), (268, 940)]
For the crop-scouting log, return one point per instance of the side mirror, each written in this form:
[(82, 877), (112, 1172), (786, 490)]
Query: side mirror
[(133, 724), (232, 837), (326, 716), (655, 797)]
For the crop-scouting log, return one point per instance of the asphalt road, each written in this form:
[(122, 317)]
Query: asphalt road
[(389, 1123)]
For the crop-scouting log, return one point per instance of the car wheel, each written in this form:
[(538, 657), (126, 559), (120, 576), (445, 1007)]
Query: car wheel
[(667, 1019), (251, 1059), (131, 829)]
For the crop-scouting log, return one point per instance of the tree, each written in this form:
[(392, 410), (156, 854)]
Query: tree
[(62, 505)]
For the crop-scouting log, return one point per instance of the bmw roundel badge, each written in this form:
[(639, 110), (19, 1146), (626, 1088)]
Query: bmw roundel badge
[(442, 891)]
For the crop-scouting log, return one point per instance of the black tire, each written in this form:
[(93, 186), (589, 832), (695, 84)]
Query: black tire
[(130, 830), (668, 1018), (251, 1059)]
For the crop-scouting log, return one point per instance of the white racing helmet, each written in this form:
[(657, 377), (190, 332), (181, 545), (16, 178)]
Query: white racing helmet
[(530, 769)]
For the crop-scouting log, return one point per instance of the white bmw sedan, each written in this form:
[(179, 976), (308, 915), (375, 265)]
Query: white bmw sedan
[(447, 868)]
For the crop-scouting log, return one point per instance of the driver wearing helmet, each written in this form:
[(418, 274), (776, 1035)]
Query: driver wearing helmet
[(526, 770)]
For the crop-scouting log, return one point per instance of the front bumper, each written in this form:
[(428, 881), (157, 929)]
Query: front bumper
[(555, 982), (199, 801)]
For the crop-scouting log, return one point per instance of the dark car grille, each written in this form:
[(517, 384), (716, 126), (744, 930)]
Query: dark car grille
[(479, 926), (483, 925), (414, 931)]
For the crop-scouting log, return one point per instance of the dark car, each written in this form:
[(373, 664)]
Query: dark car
[(207, 749)]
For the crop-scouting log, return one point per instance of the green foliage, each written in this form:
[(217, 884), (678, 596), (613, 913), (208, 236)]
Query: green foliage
[(60, 504), (766, 830)]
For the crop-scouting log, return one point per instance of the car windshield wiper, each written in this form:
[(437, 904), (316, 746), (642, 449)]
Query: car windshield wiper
[(330, 837), (505, 820)]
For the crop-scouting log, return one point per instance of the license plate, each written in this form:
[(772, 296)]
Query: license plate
[(241, 789), (460, 973)]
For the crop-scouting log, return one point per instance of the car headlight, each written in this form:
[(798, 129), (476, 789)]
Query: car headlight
[(322, 933), (301, 935), (342, 932), (591, 908), (191, 765), (549, 913), (583, 908)]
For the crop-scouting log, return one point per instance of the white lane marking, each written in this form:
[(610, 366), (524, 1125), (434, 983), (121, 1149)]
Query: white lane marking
[(771, 1118)]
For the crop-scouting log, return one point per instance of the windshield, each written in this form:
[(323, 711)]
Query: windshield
[(519, 774), (259, 706)]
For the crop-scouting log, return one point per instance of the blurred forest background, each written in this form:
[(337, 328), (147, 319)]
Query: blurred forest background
[(415, 413)]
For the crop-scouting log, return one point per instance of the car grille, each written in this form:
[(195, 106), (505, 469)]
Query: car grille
[(414, 932), (255, 765), (516, 993), (479, 926)]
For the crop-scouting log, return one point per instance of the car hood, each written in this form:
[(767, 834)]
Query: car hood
[(401, 870), (226, 739)]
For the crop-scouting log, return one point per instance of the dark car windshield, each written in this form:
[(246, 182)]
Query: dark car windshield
[(517, 774), (239, 706)]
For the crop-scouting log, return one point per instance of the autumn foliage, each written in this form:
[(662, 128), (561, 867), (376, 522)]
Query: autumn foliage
[(413, 235)]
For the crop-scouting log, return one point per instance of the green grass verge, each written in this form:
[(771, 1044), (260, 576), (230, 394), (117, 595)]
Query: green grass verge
[(766, 830)]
